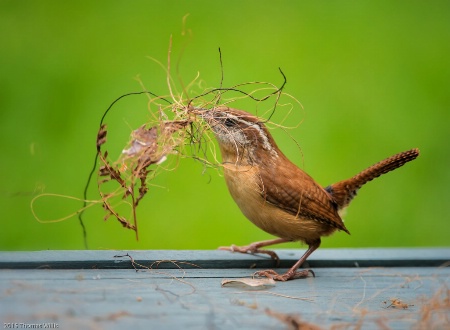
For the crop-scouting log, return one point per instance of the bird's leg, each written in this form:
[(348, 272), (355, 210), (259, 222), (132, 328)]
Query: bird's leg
[(292, 273), (256, 247)]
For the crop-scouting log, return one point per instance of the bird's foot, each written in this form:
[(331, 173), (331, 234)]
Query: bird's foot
[(289, 275), (251, 249)]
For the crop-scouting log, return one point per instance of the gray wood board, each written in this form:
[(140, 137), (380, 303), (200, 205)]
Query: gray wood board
[(338, 298), (106, 259)]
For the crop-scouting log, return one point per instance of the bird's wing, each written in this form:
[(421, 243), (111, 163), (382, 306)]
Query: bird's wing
[(300, 195)]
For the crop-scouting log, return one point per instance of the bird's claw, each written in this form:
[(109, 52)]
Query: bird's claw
[(289, 275), (250, 249)]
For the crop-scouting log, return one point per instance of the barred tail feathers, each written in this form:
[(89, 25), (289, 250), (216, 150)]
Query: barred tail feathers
[(344, 191)]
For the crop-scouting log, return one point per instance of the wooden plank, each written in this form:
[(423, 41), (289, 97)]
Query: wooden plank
[(423, 257), (194, 299)]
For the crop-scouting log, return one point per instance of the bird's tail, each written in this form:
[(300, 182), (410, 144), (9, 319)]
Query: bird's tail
[(344, 191)]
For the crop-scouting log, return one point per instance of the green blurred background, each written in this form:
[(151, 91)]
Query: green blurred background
[(373, 77)]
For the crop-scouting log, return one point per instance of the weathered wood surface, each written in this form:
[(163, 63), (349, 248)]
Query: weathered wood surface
[(418, 257), (95, 290)]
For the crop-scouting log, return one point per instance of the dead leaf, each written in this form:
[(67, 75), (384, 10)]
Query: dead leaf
[(396, 303), (249, 283)]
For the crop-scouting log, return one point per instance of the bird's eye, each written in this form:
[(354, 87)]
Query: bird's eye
[(229, 122)]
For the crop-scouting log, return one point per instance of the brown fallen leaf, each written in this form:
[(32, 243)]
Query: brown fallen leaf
[(396, 303)]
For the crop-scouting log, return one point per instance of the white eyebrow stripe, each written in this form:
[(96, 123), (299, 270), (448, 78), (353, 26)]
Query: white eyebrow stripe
[(266, 144)]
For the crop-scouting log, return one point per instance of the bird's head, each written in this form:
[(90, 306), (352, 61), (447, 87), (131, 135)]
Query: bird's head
[(239, 133)]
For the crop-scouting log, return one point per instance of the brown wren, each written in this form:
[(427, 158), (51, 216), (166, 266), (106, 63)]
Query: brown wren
[(276, 195)]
